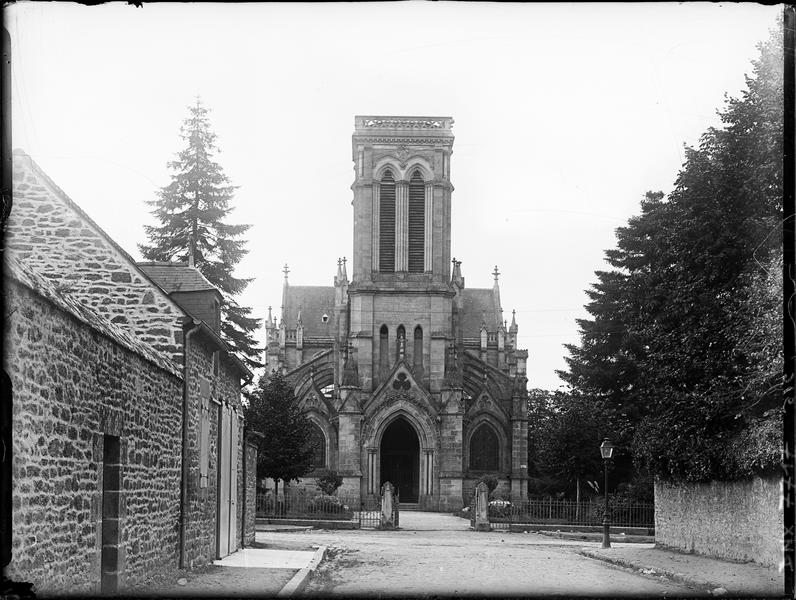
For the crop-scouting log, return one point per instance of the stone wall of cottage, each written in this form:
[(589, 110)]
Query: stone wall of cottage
[(71, 386), (200, 538), (50, 234), (737, 520), (201, 543)]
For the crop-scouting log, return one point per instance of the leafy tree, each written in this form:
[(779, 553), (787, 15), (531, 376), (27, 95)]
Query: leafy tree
[(568, 451), (670, 356), (191, 211), (286, 452)]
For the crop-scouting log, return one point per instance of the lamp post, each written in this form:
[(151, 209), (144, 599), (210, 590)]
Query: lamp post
[(606, 451)]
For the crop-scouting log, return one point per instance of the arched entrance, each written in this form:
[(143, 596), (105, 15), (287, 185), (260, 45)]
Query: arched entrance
[(400, 459)]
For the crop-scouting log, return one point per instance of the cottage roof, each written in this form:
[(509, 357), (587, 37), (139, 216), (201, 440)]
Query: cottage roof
[(314, 301), (63, 300), (177, 277)]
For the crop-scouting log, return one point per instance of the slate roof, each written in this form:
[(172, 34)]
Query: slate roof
[(315, 301), (176, 277), (478, 305), (64, 301)]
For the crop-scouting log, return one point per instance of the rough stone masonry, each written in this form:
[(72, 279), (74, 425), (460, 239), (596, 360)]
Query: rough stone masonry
[(75, 380)]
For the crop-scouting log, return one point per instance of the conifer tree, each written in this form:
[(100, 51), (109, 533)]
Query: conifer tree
[(191, 211), (673, 353)]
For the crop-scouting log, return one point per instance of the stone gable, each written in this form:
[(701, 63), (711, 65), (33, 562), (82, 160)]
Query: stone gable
[(48, 232)]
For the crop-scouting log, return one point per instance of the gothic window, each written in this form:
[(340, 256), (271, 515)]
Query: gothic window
[(484, 450), (400, 339), (319, 448), (417, 214), (417, 350), (387, 223), (384, 351)]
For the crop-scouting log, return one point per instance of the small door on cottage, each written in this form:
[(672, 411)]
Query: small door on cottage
[(224, 472), (227, 530), (234, 430)]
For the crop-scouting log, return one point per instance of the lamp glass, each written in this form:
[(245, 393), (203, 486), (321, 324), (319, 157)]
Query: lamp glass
[(607, 448)]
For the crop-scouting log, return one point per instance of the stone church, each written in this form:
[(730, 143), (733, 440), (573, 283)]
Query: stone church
[(407, 375)]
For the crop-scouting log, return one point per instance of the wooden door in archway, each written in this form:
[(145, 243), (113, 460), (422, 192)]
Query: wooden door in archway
[(400, 459)]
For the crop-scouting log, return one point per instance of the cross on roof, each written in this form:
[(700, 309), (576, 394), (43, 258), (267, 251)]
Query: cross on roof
[(496, 273), (285, 270)]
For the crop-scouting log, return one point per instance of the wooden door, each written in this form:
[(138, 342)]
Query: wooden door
[(234, 425), (223, 482)]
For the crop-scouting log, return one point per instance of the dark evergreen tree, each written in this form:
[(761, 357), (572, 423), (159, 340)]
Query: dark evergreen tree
[(668, 356), (286, 451), (191, 211)]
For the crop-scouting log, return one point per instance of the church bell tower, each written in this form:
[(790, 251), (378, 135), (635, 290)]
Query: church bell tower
[(402, 199), (400, 290)]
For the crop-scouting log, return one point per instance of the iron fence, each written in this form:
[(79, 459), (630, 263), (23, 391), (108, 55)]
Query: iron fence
[(304, 506), (299, 505), (503, 513)]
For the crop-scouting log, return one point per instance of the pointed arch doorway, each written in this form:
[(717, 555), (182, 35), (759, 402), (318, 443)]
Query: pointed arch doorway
[(400, 459)]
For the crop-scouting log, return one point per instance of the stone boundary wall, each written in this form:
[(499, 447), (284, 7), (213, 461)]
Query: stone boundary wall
[(250, 512), (739, 520), (48, 232), (72, 384)]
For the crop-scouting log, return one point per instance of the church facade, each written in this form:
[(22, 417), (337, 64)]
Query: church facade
[(407, 375)]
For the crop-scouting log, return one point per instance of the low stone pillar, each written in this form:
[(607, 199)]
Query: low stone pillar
[(482, 508), (387, 512)]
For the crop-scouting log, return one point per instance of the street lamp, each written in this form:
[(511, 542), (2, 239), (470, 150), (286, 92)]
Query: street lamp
[(606, 451)]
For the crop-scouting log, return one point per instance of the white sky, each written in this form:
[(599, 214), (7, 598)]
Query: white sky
[(565, 115)]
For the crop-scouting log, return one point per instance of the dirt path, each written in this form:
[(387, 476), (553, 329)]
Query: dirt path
[(437, 554)]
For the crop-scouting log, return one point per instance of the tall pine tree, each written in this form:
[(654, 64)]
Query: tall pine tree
[(191, 211)]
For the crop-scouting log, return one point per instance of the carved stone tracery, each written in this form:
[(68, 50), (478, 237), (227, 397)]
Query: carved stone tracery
[(404, 123)]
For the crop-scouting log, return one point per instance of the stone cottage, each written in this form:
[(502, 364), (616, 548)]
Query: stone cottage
[(407, 375), (118, 369)]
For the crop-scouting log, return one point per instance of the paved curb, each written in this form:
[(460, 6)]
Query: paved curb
[(644, 569), (283, 528), (596, 537), (298, 582)]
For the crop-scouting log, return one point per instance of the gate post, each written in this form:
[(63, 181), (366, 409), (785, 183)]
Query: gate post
[(387, 507), (482, 508)]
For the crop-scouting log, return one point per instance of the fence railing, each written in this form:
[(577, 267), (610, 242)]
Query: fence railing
[(568, 512), (305, 506)]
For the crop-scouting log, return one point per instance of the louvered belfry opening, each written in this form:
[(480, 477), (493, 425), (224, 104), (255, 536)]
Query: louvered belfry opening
[(417, 211), (387, 223)]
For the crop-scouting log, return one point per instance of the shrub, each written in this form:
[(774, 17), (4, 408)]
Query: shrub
[(329, 483), (490, 481), (327, 504), (499, 509)]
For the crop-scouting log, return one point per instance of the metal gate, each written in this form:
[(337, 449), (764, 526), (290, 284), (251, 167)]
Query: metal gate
[(369, 514)]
